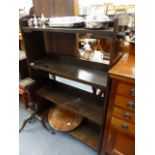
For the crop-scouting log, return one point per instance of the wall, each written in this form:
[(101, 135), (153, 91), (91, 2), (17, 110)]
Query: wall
[(25, 5)]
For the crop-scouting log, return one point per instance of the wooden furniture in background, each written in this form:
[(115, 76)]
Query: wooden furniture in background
[(54, 7), (25, 88), (112, 9), (119, 137), (132, 48), (23, 69), (21, 42), (24, 98)]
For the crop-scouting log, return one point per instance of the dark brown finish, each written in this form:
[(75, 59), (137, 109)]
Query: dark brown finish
[(57, 42), (78, 62), (61, 46), (52, 7), (24, 98), (40, 119), (43, 42), (132, 48), (46, 7), (114, 52), (105, 44), (86, 104), (78, 73), (23, 69), (34, 46), (87, 134), (66, 10), (107, 33)]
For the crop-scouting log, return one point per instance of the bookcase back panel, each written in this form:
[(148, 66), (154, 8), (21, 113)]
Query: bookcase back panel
[(34, 45), (60, 43)]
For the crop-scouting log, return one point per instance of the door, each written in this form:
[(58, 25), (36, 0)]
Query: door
[(120, 143)]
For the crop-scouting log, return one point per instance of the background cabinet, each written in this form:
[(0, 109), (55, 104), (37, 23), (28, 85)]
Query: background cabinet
[(120, 143), (119, 137), (54, 7)]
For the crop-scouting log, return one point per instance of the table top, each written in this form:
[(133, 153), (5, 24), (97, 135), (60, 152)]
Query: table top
[(125, 68)]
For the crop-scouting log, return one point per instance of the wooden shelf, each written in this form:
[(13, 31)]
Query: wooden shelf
[(105, 33), (61, 42), (86, 104), (96, 78), (86, 134)]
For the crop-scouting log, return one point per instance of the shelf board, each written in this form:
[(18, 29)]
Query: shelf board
[(86, 104), (105, 33), (95, 78), (86, 134)]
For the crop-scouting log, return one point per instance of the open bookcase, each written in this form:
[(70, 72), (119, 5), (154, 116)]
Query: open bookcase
[(53, 51)]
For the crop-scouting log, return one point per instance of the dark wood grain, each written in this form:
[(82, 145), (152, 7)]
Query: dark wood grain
[(52, 7), (40, 42), (86, 104), (106, 33), (34, 46), (86, 134), (23, 69), (113, 50), (66, 10), (43, 6), (60, 43), (132, 48), (61, 58), (78, 73)]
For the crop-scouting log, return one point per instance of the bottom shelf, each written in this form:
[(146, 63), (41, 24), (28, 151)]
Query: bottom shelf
[(86, 134)]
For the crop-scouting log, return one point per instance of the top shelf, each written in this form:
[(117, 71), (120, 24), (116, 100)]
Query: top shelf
[(105, 33)]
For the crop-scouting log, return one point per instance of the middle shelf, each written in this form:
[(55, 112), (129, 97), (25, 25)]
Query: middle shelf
[(96, 78), (86, 104)]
